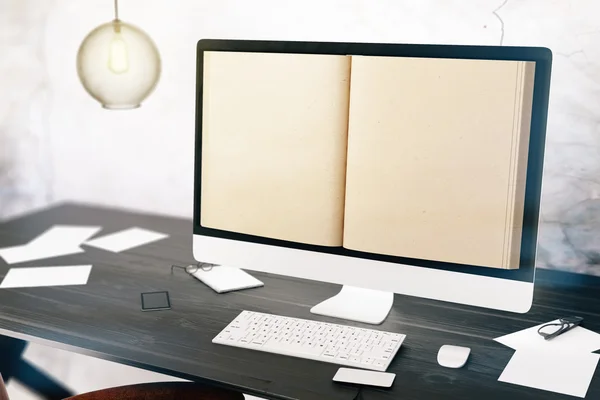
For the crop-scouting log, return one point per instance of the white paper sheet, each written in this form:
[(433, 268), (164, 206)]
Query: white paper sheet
[(577, 340), (125, 240), (59, 240), (66, 235), (19, 254), (569, 374), (46, 276)]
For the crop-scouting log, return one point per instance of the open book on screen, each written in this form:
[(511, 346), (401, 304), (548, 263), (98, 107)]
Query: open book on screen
[(409, 157)]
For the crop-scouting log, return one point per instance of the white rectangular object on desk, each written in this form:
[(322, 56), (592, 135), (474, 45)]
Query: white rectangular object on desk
[(66, 235), (57, 241), (576, 340), (46, 276), (224, 279), (345, 345), (33, 252), (363, 377), (564, 373), (126, 239)]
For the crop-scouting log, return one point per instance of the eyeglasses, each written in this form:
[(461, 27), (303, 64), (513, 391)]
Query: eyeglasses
[(553, 329), (190, 269)]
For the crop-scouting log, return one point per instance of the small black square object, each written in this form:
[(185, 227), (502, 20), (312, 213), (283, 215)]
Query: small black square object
[(155, 301)]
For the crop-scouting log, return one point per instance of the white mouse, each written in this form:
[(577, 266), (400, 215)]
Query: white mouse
[(453, 356)]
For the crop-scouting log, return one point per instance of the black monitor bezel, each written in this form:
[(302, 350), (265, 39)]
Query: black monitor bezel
[(543, 62)]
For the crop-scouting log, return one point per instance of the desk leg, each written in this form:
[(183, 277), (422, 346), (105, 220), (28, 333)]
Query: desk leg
[(13, 366), (40, 383), (11, 350)]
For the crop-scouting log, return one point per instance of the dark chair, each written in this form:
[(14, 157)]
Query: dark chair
[(3, 393), (152, 391), (161, 391)]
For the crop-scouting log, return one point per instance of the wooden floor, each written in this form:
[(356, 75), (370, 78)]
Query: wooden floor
[(82, 373)]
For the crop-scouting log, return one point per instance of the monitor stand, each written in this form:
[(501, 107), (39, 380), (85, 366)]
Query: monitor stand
[(357, 304)]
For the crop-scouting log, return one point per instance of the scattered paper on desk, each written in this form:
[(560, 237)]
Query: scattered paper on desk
[(125, 240), (66, 235), (59, 240), (46, 276), (19, 254), (577, 340), (569, 374)]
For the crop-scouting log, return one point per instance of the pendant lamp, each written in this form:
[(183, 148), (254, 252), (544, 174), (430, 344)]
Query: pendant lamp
[(118, 64)]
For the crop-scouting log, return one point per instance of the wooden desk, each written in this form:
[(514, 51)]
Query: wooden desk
[(429, 325), (103, 319)]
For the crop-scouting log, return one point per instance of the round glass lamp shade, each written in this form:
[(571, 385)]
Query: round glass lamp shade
[(118, 65)]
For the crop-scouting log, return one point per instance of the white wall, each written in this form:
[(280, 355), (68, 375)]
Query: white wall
[(143, 158), (24, 108)]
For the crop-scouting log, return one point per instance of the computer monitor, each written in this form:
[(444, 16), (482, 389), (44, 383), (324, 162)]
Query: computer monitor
[(385, 168)]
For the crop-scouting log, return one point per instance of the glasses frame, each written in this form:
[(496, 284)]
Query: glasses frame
[(190, 269), (565, 324)]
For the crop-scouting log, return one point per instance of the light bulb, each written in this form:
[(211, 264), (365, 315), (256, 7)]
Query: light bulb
[(118, 65), (118, 55)]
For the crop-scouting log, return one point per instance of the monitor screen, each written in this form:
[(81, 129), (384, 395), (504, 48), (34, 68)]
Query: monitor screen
[(421, 155)]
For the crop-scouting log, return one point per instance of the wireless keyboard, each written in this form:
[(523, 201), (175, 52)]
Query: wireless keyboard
[(338, 344)]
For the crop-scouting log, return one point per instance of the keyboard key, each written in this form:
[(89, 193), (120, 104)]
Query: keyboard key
[(223, 336), (330, 353), (310, 350), (367, 361), (246, 315), (356, 351)]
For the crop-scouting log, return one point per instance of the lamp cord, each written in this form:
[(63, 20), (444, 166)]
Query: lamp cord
[(116, 10)]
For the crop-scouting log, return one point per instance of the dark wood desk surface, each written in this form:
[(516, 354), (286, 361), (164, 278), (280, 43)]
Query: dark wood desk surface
[(429, 325), (103, 319)]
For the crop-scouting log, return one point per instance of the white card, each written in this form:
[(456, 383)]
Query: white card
[(364, 377), (569, 374), (126, 239), (577, 340), (46, 276)]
